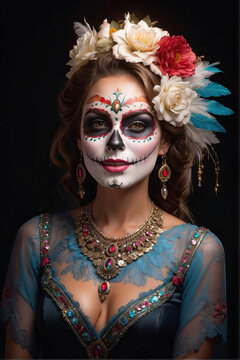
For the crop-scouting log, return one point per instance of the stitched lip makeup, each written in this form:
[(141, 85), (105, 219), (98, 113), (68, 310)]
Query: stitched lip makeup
[(115, 165)]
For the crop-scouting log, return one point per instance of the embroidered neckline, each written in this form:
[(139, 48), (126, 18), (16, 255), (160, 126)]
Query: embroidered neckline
[(97, 345)]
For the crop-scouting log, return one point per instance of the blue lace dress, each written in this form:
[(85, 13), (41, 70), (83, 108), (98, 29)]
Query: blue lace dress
[(174, 298)]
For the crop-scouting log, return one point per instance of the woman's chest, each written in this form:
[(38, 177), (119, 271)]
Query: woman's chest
[(143, 329), (99, 308)]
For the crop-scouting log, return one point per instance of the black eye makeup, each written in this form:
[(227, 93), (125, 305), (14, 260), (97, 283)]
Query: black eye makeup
[(96, 123), (138, 125)]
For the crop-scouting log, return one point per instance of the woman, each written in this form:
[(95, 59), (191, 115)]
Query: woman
[(123, 275)]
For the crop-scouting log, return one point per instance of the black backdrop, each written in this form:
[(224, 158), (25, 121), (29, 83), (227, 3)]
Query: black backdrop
[(35, 40)]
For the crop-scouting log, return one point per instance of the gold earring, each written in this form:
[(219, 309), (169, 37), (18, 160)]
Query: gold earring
[(200, 170), (213, 155), (164, 174), (81, 176)]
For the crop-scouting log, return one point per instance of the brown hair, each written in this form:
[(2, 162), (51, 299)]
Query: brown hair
[(65, 154)]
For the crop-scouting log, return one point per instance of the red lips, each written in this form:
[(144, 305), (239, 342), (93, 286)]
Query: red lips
[(115, 165)]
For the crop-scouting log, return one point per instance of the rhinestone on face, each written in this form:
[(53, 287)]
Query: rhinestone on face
[(116, 106)]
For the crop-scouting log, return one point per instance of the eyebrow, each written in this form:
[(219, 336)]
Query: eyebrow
[(98, 112), (134, 113), (126, 116)]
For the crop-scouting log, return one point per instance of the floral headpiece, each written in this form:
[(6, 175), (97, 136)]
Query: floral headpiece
[(184, 86)]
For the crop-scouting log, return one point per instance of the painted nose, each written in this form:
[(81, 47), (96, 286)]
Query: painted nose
[(115, 142)]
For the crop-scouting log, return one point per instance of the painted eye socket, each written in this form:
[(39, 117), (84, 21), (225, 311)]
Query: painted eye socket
[(96, 124), (99, 124), (136, 126), (139, 125)]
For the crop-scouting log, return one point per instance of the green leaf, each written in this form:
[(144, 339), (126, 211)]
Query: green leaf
[(114, 25), (134, 18), (147, 20)]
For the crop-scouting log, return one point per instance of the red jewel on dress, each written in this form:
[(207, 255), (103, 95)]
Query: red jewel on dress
[(45, 261), (97, 352), (177, 281)]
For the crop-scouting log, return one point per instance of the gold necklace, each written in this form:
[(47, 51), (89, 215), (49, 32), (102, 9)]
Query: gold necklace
[(109, 255)]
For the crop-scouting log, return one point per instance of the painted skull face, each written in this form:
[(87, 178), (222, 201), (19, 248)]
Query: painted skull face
[(119, 135)]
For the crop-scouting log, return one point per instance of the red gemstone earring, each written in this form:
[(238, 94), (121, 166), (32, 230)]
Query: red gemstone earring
[(81, 176), (164, 174)]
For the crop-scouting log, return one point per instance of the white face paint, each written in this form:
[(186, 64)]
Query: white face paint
[(119, 135)]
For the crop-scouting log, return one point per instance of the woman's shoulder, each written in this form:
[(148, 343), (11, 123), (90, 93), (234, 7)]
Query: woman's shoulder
[(174, 226), (30, 228)]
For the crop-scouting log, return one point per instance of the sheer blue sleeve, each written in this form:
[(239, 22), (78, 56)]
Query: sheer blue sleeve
[(20, 293), (203, 309)]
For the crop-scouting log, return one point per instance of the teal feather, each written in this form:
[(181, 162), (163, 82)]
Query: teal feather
[(213, 69), (213, 89), (215, 107), (204, 122)]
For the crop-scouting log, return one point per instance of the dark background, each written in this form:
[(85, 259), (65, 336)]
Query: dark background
[(35, 40)]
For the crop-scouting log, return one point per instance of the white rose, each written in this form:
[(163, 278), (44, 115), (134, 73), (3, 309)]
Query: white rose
[(173, 103), (84, 51), (104, 30), (137, 42)]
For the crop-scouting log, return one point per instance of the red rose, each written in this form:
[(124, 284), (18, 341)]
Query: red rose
[(176, 57)]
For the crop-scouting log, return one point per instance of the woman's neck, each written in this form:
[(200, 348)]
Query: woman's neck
[(118, 212)]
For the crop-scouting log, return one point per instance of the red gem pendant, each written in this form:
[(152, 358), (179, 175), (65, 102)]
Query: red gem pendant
[(103, 290)]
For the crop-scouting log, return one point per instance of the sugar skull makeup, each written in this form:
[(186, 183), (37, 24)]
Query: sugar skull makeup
[(119, 135)]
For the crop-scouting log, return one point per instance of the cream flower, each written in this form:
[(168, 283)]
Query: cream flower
[(84, 51), (137, 42), (104, 31), (173, 103)]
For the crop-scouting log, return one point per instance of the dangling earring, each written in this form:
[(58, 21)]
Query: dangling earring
[(200, 170), (164, 174), (81, 176), (213, 155)]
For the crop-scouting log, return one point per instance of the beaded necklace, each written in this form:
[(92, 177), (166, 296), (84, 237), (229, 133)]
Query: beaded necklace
[(109, 255)]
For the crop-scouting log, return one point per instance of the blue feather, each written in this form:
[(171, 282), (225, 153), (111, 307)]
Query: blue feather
[(212, 68), (213, 89), (204, 122), (214, 107)]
